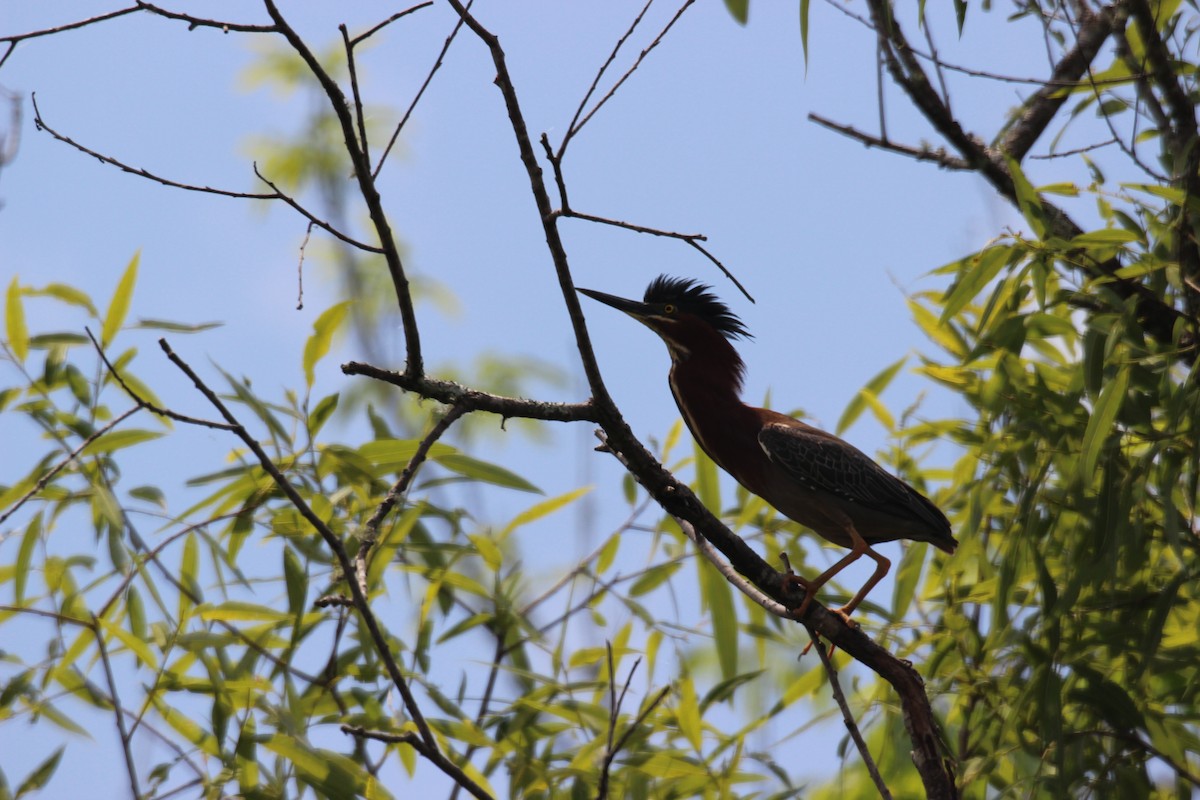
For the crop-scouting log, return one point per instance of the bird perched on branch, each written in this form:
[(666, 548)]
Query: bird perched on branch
[(810, 476)]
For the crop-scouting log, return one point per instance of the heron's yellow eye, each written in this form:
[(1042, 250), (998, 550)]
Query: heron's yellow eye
[(669, 309)]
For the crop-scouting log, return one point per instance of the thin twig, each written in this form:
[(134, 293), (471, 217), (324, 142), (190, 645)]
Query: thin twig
[(279, 194), (573, 128), (371, 529), (354, 92), (637, 63), (127, 751), (613, 749), (300, 268), (276, 194), (13, 39), (432, 754), (366, 184), (437, 64), (367, 34), (923, 153), (848, 719), (452, 394), (61, 465), (201, 22)]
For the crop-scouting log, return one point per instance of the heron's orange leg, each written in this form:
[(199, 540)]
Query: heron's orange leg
[(858, 548), (882, 565)]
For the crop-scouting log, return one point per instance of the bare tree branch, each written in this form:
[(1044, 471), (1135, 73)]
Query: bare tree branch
[(1043, 106), (366, 184), (437, 64), (431, 753), (923, 153), (848, 720), (118, 713)]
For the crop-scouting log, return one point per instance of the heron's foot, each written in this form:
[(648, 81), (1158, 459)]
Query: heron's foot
[(845, 617), (792, 582)]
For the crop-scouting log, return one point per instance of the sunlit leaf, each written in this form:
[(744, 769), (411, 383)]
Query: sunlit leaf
[(118, 307), (14, 321), (478, 470)]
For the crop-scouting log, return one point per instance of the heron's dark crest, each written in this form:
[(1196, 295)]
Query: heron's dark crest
[(693, 297)]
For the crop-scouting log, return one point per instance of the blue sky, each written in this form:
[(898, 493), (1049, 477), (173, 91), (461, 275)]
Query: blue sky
[(709, 136)]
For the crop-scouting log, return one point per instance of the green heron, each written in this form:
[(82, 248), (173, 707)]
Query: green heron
[(810, 476)]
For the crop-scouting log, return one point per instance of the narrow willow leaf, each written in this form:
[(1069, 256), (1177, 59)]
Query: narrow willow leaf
[(1100, 426), (296, 580), (717, 596), (14, 322), (69, 295), (707, 487), (240, 611), (542, 509), (118, 307), (907, 577), (118, 439), (393, 455), (33, 534), (41, 774), (687, 712), (322, 336), (876, 387), (608, 553), (487, 550), (138, 647), (320, 415), (804, 31), (482, 471), (975, 272), (1028, 200)]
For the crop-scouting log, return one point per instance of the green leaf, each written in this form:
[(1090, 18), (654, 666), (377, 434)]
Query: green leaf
[(875, 387), (189, 563), (687, 712), (240, 611), (653, 577), (150, 494), (139, 647), (1105, 236), (33, 533), (318, 344), (739, 10), (804, 31), (542, 509), (1100, 425), (14, 322), (41, 775), (320, 415), (906, 578), (67, 294), (176, 327), (1028, 200), (487, 549), (393, 455), (717, 596), (975, 272), (482, 471), (708, 489), (118, 307), (115, 440), (296, 581)]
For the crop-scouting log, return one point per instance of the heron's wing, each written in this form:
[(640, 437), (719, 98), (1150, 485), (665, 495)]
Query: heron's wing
[(825, 463)]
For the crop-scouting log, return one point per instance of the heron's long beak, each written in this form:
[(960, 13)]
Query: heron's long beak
[(632, 307)]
